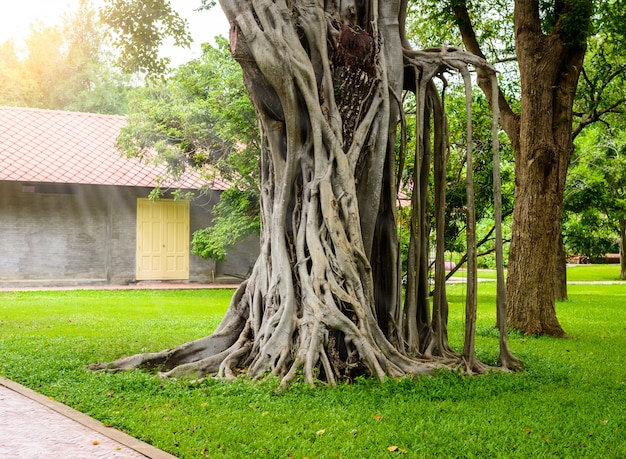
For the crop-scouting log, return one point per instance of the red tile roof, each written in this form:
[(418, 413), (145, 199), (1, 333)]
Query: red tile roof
[(53, 146)]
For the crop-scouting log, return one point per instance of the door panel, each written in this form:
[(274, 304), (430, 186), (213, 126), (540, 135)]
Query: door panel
[(162, 240)]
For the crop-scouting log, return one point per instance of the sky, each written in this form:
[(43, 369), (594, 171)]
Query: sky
[(18, 15)]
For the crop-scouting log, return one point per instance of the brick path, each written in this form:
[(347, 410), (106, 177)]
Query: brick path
[(34, 427)]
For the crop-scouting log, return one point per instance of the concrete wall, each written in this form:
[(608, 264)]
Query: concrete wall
[(72, 235), (240, 260)]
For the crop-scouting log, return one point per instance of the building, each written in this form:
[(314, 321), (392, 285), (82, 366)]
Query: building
[(75, 212)]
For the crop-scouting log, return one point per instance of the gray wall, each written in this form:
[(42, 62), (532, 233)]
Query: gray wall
[(62, 235), (240, 260)]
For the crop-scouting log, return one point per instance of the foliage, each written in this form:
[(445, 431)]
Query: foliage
[(595, 202), (200, 118), (601, 91), (568, 402), (66, 67), (432, 22), (456, 198), (139, 27), (236, 217)]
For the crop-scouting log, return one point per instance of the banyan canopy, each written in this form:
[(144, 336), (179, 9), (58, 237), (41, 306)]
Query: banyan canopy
[(325, 298)]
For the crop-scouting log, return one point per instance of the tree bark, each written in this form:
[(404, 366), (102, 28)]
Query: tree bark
[(549, 69), (541, 137)]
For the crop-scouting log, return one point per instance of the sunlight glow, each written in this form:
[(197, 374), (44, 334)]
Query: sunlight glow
[(18, 16)]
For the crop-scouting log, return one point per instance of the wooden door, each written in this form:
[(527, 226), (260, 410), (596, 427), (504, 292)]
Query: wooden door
[(162, 239)]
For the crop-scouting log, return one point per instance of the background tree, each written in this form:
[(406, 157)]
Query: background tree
[(456, 193), (65, 67), (596, 194), (138, 30), (17, 87), (599, 96), (200, 117), (323, 299), (599, 91), (549, 46)]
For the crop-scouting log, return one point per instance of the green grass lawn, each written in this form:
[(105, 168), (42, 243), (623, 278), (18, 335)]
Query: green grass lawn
[(569, 402), (575, 273), (593, 273)]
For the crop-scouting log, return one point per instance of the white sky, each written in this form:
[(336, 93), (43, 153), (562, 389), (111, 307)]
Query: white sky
[(17, 15)]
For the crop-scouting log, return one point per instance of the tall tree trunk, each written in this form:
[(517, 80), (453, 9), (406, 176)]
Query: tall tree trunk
[(549, 69), (532, 255), (541, 137)]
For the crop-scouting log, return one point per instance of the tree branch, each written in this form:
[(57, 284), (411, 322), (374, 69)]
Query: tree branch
[(596, 116), (509, 120)]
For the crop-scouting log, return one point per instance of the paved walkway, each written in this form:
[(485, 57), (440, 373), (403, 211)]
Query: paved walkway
[(32, 426), (226, 283)]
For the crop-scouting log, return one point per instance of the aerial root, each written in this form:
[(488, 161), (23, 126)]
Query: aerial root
[(508, 362), (327, 368), (473, 366), (304, 348)]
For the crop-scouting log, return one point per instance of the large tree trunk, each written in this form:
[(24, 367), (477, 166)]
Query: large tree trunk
[(532, 255), (324, 296), (549, 68), (541, 137)]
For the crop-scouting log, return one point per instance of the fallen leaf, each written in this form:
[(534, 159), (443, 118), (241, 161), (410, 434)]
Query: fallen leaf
[(378, 417), (321, 432), (393, 448), (605, 421), (95, 442), (527, 431)]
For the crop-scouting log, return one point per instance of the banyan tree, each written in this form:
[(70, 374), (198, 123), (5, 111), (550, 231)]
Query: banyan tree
[(325, 298)]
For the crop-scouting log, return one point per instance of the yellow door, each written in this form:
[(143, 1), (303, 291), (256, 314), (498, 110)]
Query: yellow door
[(162, 239)]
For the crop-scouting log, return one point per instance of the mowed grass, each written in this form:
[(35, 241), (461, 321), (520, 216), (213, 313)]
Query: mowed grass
[(570, 401), (575, 273), (593, 273)]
